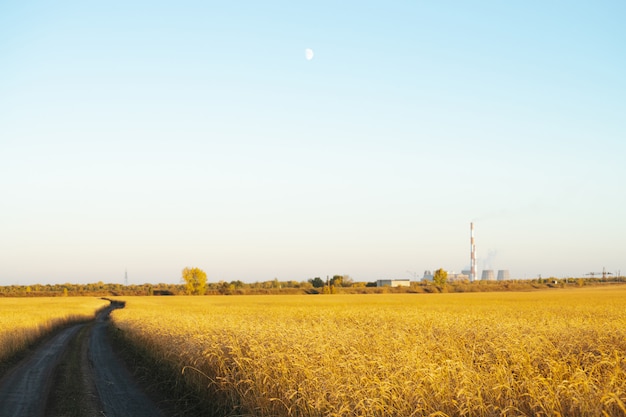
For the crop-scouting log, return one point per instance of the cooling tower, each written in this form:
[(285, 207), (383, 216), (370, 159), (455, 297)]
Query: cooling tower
[(488, 275), (503, 275)]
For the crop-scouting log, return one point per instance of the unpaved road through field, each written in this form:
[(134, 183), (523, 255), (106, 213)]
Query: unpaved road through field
[(26, 390), (22, 391)]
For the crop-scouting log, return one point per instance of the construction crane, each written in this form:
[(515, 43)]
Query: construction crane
[(603, 273)]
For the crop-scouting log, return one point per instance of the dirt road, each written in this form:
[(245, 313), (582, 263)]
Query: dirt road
[(106, 386)]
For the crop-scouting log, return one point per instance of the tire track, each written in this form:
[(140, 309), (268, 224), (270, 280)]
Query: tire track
[(118, 392), (24, 390)]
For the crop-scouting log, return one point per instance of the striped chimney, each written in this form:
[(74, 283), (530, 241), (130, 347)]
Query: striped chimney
[(472, 254)]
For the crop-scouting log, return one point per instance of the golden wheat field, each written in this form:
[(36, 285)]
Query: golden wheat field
[(24, 320), (548, 353)]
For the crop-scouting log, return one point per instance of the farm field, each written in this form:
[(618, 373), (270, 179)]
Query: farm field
[(556, 352), (24, 320)]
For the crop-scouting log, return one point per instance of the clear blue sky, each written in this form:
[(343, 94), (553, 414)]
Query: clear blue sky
[(150, 136)]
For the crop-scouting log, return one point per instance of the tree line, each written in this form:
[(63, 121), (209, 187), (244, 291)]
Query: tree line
[(194, 282)]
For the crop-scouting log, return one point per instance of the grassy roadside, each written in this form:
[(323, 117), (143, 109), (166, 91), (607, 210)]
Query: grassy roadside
[(10, 362), (161, 384), (25, 323)]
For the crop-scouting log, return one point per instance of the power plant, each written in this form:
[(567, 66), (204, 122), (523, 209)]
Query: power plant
[(487, 274), (503, 275), (472, 273)]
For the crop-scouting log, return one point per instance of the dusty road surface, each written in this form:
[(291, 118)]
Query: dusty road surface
[(22, 391), (105, 386)]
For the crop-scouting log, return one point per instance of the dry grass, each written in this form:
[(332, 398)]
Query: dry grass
[(25, 320), (560, 352)]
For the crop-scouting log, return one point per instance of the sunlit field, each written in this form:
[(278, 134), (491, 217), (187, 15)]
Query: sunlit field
[(555, 352), (24, 320)]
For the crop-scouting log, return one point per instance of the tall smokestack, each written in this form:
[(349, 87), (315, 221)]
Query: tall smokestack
[(472, 253)]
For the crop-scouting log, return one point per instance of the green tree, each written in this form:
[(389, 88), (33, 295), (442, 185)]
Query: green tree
[(317, 282), (440, 278), (195, 281)]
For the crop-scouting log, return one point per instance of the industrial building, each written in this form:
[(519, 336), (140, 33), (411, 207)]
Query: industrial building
[(452, 276), (487, 274), (465, 275), (503, 275), (393, 283)]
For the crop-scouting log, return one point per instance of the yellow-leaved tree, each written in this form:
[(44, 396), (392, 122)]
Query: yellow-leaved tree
[(440, 278), (195, 281)]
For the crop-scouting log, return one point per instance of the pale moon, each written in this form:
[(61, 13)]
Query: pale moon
[(308, 54)]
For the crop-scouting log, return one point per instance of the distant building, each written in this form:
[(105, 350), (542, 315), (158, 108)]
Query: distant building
[(504, 275), (488, 275), (393, 283), (457, 277), (452, 276)]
